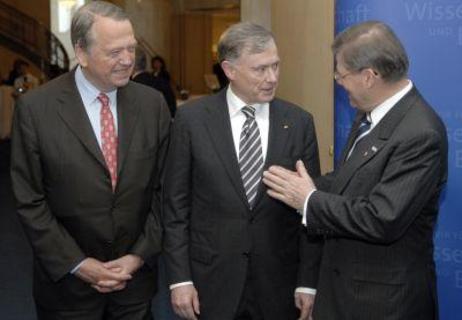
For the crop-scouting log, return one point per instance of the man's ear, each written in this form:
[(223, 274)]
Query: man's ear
[(229, 69), (371, 76), (81, 55)]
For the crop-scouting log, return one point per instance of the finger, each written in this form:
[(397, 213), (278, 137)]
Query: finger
[(304, 313), (112, 264), (196, 305), (116, 269), (187, 312), (277, 195), (108, 283), (101, 289), (274, 183), (121, 286), (300, 166), (280, 171), (298, 303), (109, 275)]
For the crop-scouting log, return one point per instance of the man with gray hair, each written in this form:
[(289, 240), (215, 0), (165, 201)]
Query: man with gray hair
[(231, 251), (87, 154), (378, 209)]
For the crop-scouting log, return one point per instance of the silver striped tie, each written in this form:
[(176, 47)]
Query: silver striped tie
[(250, 155)]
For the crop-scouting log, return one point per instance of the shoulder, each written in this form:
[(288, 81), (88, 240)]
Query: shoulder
[(421, 118), (141, 91), (292, 110), (199, 106), (46, 95)]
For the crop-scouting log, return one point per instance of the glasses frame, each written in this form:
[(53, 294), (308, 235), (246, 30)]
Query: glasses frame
[(339, 77)]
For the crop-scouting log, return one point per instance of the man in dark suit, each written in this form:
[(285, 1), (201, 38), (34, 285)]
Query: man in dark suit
[(87, 151), (378, 209), (232, 252)]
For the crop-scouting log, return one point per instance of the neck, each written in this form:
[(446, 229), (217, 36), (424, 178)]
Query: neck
[(387, 90)]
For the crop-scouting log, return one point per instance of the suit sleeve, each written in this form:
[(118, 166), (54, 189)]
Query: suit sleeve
[(55, 249), (177, 202), (149, 243), (410, 179), (310, 245)]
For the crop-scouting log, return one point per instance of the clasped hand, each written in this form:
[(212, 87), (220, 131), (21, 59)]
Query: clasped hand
[(109, 276)]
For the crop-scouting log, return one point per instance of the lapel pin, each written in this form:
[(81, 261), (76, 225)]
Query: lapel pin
[(374, 149), (286, 126)]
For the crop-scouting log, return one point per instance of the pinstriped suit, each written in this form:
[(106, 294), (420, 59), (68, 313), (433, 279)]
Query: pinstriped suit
[(378, 211)]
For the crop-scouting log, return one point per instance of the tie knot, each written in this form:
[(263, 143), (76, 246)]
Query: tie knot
[(249, 111), (365, 122), (104, 99)]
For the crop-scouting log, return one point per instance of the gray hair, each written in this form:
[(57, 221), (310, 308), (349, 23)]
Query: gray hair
[(243, 36), (84, 18), (374, 45)]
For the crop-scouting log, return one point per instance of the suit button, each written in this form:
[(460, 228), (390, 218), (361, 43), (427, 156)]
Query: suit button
[(251, 220), (246, 254), (336, 271)]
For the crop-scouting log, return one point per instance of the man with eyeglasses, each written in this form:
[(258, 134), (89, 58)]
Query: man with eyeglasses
[(378, 209)]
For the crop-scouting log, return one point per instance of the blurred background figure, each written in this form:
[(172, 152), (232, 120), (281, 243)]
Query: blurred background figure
[(160, 82), (159, 69), (20, 77), (140, 74)]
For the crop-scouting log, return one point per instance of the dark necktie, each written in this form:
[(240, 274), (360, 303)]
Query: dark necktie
[(250, 155), (361, 132), (108, 138)]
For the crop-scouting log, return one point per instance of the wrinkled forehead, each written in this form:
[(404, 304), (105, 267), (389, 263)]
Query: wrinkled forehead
[(106, 29)]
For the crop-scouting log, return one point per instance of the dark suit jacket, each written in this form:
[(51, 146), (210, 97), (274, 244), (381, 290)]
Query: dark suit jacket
[(378, 212), (64, 194), (211, 235)]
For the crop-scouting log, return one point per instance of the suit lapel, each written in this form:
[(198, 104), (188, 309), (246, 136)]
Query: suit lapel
[(127, 112), (73, 113), (352, 135), (277, 137), (372, 144), (218, 125)]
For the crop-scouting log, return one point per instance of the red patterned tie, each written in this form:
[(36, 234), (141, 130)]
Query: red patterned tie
[(108, 138)]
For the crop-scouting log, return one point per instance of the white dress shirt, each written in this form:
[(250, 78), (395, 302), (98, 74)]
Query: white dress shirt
[(89, 94)]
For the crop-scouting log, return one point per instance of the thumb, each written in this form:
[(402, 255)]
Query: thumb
[(112, 264), (301, 170)]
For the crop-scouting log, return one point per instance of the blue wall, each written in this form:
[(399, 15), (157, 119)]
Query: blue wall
[(431, 32)]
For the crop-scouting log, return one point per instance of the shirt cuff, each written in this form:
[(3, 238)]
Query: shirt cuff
[(76, 268), (305, 207), (180, 284), (305, 290)]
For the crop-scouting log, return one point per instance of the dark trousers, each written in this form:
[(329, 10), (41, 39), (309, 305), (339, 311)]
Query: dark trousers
[(111, 311), (248, 306)]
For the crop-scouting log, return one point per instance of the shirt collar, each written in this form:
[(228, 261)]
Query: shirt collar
[(382, 109), (235, 104), (88, 91)]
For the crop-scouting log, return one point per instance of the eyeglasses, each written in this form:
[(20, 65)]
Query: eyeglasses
[(338, 76)]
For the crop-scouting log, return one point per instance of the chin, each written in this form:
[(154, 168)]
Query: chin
[(266, 98)]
